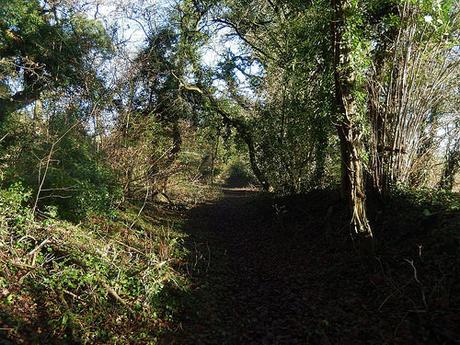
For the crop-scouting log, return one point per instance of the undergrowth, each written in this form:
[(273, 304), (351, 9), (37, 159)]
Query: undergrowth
[(408, 286), (105, 280)]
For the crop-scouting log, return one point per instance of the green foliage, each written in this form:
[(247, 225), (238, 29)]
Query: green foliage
[(41, 50), (76, 182), (75, 147), (238, 174), (14, 214), (30, 31), (434, 215), (429, 199), (124, 268), (286, 65)]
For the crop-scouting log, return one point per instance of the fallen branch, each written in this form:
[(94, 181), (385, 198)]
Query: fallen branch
[(37, 248), (117, 297), (35, 251), (130, 247)]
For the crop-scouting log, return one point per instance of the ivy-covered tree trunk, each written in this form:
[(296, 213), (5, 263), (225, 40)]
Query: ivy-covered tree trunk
[(353, 183), (451, 168), (348, 110)]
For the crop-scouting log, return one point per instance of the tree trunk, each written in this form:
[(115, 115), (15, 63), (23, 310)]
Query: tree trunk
[(255, 167), (176, 141), (451, 168), (17, 101), (353, 182), (245, 134), (348, 117)]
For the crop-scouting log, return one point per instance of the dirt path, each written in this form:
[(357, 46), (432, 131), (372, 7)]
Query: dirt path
[(262, 278), (250, 280)]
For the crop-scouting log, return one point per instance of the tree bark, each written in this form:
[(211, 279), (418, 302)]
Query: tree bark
[(17, 101), (348, 126)]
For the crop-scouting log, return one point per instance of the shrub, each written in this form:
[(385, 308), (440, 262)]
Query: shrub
[(81, 274), (76, 182)]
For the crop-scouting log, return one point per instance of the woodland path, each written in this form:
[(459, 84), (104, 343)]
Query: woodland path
[(258, 281)]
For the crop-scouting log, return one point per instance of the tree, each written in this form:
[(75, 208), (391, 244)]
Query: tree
[(44, 46), (350, 47), (279, 78), (413, 74)]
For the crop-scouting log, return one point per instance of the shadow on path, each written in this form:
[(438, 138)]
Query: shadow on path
[(284, 272), (253, 279)]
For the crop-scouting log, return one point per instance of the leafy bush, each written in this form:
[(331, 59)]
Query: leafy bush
[(430, 199), (13, 214), (76, 182), (430, 212)]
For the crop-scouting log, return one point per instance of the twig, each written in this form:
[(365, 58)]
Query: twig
[(21, 265), (36, 249), (391, 295), (27, 236), (400, 323), (34, 252), (147, 193), (129, 247), (50, 154), (411, 262), (48, 161), (114, 294), (74, 296)]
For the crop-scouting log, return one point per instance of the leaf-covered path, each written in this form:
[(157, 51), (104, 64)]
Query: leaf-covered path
[(248, 291), (265, 276), (275, 272)]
